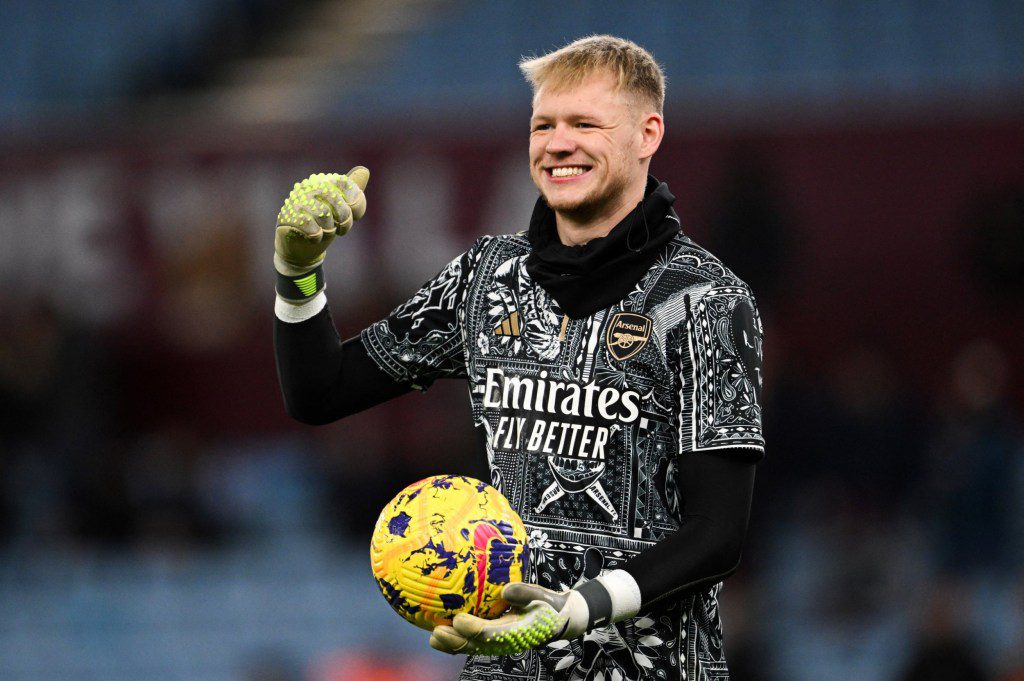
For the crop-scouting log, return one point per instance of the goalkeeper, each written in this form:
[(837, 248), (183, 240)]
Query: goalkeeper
[(614, 370)]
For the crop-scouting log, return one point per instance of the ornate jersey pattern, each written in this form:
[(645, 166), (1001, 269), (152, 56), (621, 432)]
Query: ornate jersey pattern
[(584, 421)]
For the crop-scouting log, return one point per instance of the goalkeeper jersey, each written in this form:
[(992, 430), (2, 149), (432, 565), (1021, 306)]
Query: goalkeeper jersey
[(584, 419)]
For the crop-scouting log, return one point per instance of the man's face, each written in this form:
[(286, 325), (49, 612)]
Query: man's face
[(585, 147)]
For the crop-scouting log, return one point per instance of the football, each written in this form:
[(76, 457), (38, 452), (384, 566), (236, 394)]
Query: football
[(444, 545)]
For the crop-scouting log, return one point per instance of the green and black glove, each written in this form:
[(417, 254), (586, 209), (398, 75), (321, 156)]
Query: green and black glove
[(319, 208)]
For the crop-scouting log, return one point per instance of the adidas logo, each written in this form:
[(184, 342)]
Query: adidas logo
[(509, 325)]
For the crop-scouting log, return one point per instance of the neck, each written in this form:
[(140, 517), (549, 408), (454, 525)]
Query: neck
[(574, 230)]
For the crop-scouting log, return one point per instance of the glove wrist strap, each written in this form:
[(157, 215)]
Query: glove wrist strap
[(599, 603), (302, 287), (611, 597), (624, 592)]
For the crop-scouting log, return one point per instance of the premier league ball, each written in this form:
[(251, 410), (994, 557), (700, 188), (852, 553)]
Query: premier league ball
[(445, 545)]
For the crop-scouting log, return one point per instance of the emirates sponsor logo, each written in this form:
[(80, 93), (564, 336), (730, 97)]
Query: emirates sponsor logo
[(571, 424), (560, 398), (559, 418)]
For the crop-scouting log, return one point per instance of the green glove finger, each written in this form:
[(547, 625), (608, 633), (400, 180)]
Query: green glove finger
[(512, 633), (360, 175), (321, 195), (336, 216), (521, 594), (300, 208), (343, 195), (470, 626), (447, 640), (353, 184)]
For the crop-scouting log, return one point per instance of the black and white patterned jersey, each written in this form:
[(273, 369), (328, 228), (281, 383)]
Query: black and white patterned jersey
[(584, 421)]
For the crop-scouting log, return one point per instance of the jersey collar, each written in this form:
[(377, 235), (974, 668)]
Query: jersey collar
[(586, 278)]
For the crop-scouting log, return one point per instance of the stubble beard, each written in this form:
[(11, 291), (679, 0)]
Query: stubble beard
[(593, 205)]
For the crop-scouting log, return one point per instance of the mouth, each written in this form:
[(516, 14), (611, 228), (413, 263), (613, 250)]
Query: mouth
[(566, 173)]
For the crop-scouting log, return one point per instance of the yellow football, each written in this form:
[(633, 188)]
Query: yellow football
[(445, 545)]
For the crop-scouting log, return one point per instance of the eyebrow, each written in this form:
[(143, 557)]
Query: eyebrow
[(572, 118)]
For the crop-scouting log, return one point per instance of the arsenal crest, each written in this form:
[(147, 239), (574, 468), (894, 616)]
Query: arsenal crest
[(627, 334)]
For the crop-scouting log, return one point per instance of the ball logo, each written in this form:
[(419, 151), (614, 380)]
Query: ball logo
[(627, 334)]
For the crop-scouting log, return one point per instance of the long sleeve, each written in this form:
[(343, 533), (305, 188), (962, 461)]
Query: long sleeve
[(716, 491), (323, 379)]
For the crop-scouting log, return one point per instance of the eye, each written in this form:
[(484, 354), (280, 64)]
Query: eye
[(540, 126), (582, 124)]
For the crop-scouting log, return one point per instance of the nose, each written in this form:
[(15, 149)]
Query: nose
[(561, 141)]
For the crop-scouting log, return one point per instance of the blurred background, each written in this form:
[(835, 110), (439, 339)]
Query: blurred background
[(860, 164)]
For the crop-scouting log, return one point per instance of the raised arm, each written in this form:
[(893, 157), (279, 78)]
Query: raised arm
[(322, 379)]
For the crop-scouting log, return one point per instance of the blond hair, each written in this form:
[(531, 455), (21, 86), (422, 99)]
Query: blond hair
[(632, 66)]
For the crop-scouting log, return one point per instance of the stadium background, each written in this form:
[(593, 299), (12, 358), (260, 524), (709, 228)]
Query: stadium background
[(860, 164)]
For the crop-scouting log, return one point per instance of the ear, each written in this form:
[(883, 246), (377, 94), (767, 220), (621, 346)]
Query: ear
[(651, 131)]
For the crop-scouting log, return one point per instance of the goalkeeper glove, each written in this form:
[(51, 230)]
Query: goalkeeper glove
[(540, 615), (319, 208)]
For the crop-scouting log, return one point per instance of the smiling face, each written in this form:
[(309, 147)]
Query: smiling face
[(590, 149)]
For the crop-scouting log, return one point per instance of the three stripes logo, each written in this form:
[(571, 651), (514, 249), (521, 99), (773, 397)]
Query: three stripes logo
[(509, 326)]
